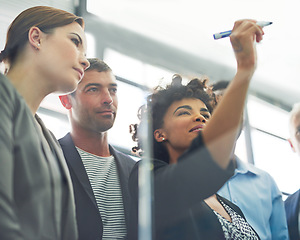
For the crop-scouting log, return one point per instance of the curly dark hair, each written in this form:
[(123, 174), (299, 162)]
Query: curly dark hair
[(160, 101)]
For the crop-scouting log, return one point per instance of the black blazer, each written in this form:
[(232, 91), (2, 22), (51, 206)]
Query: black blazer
[(197, 222), (36, 193), (292, 214), (179, 190), (87, 213)]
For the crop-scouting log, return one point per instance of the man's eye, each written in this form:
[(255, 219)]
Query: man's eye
[(114, 90), (92, 90)]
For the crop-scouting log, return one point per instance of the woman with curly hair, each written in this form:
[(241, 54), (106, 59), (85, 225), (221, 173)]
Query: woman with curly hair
[(192, 152)]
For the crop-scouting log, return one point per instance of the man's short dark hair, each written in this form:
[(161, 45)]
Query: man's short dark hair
[(97, 65)]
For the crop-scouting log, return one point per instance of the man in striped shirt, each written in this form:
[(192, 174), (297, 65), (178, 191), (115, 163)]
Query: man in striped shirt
[(98, 171)]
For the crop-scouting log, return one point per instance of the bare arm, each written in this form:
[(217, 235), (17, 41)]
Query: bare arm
[(221, 132)]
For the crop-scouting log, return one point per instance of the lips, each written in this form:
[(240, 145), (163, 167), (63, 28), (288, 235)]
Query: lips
[(197, 128), (106, 112)]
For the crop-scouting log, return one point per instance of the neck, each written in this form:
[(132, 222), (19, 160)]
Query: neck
[(29, 85), (92, 142), (174, 155)]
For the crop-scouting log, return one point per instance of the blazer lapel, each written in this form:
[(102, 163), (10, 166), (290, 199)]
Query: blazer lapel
[(55, 166), (124, 170), (56, 149), (75, 163)]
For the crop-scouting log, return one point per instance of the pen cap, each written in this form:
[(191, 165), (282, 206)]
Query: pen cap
[(222, 34)]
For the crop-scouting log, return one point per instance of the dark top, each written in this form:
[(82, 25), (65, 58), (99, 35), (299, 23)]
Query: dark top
[(292, 214), (36, 193), (88, 217), (179, 191)]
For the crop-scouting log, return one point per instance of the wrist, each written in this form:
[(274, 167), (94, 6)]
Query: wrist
[(245, 74)]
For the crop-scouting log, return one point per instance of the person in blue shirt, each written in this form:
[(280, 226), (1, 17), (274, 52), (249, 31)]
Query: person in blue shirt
[(256, 193)]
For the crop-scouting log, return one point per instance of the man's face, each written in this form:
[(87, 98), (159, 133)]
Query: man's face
[(295, 133), (95, 103)]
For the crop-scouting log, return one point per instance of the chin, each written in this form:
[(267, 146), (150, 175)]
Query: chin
[(103, 127), (68, 88)]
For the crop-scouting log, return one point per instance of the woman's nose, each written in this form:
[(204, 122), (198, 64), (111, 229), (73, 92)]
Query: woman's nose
[(84, 62), (200, 118)]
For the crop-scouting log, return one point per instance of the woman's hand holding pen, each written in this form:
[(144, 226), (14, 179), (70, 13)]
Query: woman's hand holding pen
[(243, 37)]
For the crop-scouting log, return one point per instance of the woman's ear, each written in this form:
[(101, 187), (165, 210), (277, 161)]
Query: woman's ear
[(159, 135), (65, 101), (34, 37)]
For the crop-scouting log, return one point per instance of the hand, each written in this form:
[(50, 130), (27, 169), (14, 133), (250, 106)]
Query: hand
[(243, 37)]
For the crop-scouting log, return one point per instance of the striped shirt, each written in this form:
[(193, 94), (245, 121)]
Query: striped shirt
[(104, 179)]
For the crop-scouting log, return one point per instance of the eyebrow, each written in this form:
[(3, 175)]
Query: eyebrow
[(99, 85), (189, 108)]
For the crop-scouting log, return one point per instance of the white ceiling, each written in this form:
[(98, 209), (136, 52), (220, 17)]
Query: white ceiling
[(190, 25)]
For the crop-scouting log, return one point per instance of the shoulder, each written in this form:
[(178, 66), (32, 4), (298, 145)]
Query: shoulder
[(68, 148), (121, 156), (248, 167), (293, 197), (67, 139), (3, 80), (6, 86), (291, 205), (260, 177), (157, 165), (9, 95), (13, 108), (133, 178)]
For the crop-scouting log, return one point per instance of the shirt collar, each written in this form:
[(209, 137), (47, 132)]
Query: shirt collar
[(244, 168)]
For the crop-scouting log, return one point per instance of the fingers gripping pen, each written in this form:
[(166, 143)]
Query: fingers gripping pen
[(227, 33)]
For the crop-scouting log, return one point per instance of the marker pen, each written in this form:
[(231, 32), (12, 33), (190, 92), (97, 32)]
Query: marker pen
[(227, 33)]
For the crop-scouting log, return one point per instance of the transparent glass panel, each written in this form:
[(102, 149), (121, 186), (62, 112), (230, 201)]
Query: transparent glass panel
[(135, 70), (130, 99), (91, 45), (56, 125), (268, 117), (275, 156)]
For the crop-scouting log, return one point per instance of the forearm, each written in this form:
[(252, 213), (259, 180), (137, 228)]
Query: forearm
[(221, 131)]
